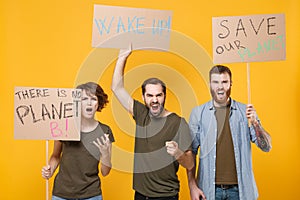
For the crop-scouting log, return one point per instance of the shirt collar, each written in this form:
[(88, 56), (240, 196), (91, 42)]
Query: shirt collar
[(232, 104)]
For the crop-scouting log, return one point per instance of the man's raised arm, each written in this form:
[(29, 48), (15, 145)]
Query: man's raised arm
[(117, 85)]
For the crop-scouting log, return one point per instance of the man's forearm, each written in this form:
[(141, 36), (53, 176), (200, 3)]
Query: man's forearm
[(191, 174), (186, 160), (117, 80), (263, 138)]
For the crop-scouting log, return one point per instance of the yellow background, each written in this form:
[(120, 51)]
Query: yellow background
[(46, 43)]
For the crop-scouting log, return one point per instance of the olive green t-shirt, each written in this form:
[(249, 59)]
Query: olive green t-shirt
[(78, 171), (155, 171), (225, 161)]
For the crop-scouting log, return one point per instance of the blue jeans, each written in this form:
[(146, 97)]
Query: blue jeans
[(91, 198), (227, 194)]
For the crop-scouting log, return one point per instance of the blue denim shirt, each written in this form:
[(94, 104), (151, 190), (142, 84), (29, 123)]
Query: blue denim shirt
[(203, 125)]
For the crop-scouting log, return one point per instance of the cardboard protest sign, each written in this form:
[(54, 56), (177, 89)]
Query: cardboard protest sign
[(47, 113), (249, 38), (117, 27)]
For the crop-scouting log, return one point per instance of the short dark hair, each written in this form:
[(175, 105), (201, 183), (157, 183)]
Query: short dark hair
[(153, 81), (220, 69), (92, 88)]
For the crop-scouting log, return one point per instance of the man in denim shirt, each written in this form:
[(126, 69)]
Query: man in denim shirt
[(220, 128)]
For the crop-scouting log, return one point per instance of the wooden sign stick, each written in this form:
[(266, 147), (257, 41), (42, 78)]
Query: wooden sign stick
[(47, 163), (248, 83), (248, 88)]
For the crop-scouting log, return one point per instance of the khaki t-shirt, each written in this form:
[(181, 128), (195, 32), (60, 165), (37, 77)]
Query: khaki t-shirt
[(78, 171), (225, 162), (154, 169)]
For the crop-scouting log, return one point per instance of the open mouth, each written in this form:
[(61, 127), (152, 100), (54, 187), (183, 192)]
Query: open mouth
[(220, 92), (155, 106), (89, 109)]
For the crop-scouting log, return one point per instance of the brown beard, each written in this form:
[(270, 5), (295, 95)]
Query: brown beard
[(213, 94), (162, 106)]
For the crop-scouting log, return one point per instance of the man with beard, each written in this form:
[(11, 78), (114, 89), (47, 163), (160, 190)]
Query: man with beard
[(162, 138), (220, 128)]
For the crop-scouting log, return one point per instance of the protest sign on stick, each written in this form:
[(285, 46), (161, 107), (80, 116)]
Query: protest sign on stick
[(47, 114)]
